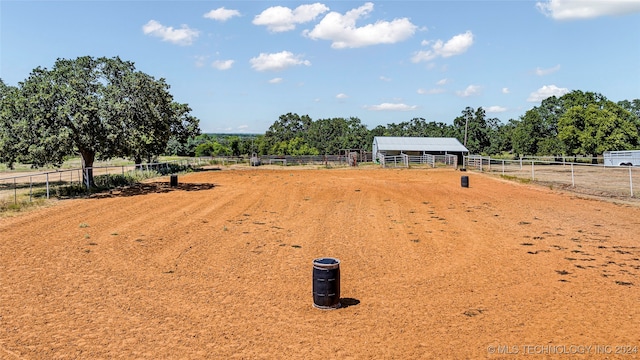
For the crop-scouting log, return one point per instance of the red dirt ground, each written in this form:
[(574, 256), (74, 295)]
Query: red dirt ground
[(221, 267)]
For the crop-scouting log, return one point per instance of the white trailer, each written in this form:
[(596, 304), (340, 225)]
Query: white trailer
[(622, 158)]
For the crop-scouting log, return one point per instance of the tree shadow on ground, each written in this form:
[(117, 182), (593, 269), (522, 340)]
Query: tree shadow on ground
[(151, 188), (207, 168)]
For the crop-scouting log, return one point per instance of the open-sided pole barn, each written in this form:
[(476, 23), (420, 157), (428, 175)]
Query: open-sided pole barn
[(421, 148)]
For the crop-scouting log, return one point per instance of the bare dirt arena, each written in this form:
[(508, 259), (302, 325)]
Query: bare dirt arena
[(221, 267)]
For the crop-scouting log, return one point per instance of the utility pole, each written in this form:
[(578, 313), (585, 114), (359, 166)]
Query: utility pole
[(466, 124)]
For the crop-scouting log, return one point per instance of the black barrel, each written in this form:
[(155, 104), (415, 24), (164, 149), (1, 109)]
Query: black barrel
[(464, 181), (174, 181), (326, 283)]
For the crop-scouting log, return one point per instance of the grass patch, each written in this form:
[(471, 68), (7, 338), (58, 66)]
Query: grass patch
[(21, 204), (34, 195), (515, 178)]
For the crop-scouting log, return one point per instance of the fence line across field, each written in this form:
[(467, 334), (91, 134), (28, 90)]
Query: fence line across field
[(611, 180), (49, 179), (601, 179)]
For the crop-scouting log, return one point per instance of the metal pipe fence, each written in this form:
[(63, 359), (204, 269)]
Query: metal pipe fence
[(284, 160), (404, 160), (55, 182), (395, 161), (596, 179), (44, 184), (338, 160)]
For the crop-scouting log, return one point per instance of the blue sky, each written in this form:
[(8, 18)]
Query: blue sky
[(242, 64)]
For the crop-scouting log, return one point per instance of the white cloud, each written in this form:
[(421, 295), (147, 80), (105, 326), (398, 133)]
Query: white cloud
[(542, 72), (384, 78), (221, 14), (505, 90), (457, 45), (243, 127), (182, 36), (342, 31), (280, 18), (200, 60), (222, 64), (469, 91), (430, 91), (391, 107), (277, 61), (277, 80), (545, 92), (342, 96), (495, 109), (581, 9), (442, 82)]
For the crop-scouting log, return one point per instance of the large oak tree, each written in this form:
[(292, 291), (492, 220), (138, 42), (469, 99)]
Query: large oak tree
[(595, 129), (99, 108)]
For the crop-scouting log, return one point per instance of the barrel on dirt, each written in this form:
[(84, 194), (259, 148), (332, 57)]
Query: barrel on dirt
[(326, 283), (173, 182), (464, 181)]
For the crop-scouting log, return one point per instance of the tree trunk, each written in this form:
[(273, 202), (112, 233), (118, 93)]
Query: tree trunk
[(138, 161), (88, 158)]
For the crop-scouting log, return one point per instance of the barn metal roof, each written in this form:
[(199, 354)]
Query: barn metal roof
[(396, 143)]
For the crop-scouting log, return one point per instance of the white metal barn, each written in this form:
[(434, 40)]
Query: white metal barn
[(417, 149)]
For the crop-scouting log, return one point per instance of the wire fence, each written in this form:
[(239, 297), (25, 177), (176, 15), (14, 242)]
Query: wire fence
[(576, 174), (582, 177), (29, 185), (69, 182), (284, 160), (334, 160)]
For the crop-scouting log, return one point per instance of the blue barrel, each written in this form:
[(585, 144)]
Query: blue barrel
[(326, 283)]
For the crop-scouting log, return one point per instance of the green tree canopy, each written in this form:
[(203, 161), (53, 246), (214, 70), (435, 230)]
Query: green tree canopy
[(538, 131), (296, 146), (10, 104), (632, 106), (417, 127), (330, 136), (97, 108), (593, 129), (479, 131), (287, 127)]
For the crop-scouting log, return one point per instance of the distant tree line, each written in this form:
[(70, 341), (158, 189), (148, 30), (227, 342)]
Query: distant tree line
[(577, 123), (101, 108)]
